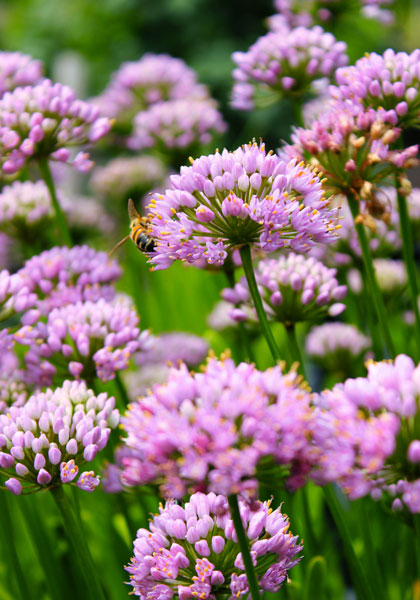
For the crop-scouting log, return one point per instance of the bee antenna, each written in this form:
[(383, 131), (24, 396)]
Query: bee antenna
[(115, 248)]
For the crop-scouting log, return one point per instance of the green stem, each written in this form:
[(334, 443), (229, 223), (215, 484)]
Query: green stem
[(297, 111), (246, 352), (60, 217), (245, 252), (77, 537), (10, 553), (294, 349), (243, 544), (408, 255), (374, 290), (358, 575), (122, 392)]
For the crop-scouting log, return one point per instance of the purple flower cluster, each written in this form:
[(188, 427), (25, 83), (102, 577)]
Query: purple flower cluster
[(352, 146), (218, 430), (24, 205), (82, 339), (174, 347), (44, 121), (17, 70), (123, 177), (151, 79), (192, 551), (45, 442), (293, 288), (26, 211), (389, 84), (295, 13), (391, 276), (337, 346), (366, 437), (286, 63), (60, 276), (183, 123), (229, 199), (13, 391)]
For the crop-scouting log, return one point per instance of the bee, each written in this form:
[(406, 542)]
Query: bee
[(139, 231)]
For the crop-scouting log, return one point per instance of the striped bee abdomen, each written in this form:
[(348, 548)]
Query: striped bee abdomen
[(142, 240)]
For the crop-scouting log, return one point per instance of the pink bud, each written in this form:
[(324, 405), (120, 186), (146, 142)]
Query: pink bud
[(202, 548), (43, 477), (14, 486)]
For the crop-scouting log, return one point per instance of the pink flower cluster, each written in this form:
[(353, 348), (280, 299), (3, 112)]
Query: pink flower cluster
[(181, 123), (192, 551), (353, 147), (293, 288), (218, 430), (366, 435), (151, 79), (82, 339), (229, 199), (44, 442), (389, 83), (17, 70), (286, 62), (44, 121)]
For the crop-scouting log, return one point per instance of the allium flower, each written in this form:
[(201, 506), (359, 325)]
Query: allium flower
[(293, 288), (26, 211), (307, 12), (87, 216), (229, 199), (218, 430), (389, 83), (286, 63), (222, 316), (337, 346), (391, 276), (13, 391), (184, 124), (45, 121), (367, 434), (57, 277), (138, 84), (175, 347), (45, 442), (192, 551), (123, 177), (17, 70), (84, 339), (350, 145)]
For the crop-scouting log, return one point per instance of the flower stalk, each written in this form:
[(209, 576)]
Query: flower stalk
[(408, 255), (245, 253), (243, 544), (77, 537), (373, 286), (60, 218)]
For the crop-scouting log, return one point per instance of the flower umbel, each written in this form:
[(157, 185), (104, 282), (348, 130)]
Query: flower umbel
[(229, 199), (45, 442), (45, 121), (191, 551), (219, 430)]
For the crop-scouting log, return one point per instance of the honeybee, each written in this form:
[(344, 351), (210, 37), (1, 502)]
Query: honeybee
[(139, 231)]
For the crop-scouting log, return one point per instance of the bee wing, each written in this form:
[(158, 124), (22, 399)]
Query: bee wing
[(115, 248), (133, 213)]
